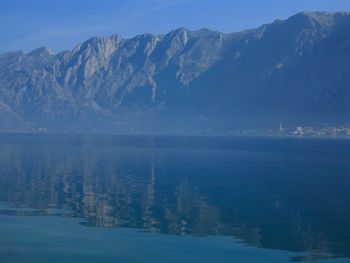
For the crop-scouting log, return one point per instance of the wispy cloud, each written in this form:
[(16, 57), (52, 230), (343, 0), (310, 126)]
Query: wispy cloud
[(156, 6), (52, 34), (93, 26), (151, 7), (63, 32)]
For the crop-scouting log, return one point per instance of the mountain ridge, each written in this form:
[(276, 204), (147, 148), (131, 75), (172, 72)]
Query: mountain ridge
[(293, 70)]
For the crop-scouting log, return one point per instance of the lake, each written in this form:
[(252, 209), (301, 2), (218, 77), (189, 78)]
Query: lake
[(173, 199)]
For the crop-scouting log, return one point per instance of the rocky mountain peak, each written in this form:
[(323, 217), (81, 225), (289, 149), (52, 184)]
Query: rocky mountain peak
[(295, 69), (41, 51)]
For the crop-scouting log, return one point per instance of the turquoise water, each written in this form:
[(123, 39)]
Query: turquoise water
[(173, 199)]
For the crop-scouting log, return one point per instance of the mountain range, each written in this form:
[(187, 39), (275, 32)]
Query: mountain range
[(295, 71)]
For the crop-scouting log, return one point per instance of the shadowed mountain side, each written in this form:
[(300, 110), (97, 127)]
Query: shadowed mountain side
[(295, 71)]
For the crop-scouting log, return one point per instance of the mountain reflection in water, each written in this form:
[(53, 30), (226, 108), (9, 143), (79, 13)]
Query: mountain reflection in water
[(283, 194)]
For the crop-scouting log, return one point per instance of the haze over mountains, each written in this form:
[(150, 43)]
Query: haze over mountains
[(295, 71)]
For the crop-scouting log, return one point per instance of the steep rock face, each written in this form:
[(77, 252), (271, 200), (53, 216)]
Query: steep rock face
[(294, 70), (12, 122)]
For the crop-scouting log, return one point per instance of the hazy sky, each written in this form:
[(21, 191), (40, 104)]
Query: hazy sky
[(61, 24)]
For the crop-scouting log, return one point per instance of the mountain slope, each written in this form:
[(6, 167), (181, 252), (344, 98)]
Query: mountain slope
[(295, 71)]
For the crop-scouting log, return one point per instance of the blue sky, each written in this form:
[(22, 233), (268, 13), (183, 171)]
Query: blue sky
[(62, 24)]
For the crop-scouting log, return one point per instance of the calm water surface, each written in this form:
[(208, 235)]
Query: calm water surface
[(173, 199)]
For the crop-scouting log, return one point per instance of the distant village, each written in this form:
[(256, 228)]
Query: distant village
[(301, 131)]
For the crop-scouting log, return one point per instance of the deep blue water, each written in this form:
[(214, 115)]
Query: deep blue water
[(173, 199)]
